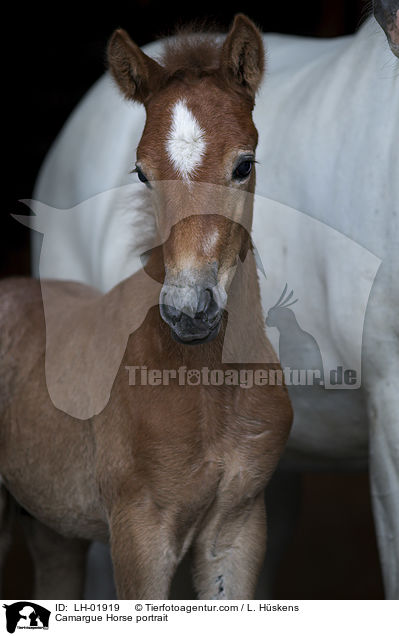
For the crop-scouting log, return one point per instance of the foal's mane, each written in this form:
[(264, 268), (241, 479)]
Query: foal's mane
[(191, 51)]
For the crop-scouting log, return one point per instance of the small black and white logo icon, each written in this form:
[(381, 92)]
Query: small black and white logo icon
[(26, 615)]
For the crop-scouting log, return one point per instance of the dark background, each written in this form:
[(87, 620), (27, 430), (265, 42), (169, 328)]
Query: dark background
[(53, 54)]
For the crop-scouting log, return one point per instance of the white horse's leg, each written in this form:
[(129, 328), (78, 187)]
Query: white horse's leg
[(384, 475)]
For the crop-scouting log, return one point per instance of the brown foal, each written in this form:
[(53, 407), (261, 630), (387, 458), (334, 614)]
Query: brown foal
[(164, 466)]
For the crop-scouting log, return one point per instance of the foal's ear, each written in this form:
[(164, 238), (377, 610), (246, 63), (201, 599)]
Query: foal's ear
[(243, 56), (137, 75)]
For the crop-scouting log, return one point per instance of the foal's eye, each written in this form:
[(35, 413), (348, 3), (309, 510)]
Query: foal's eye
[(242, 170), (141, 175)]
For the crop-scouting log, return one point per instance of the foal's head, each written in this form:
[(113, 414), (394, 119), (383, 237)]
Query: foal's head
[(196, 157)]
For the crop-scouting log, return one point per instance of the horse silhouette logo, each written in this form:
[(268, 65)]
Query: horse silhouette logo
[(298, 349), (26, 615)]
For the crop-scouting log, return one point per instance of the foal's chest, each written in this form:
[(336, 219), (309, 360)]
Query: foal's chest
[(185, 442)]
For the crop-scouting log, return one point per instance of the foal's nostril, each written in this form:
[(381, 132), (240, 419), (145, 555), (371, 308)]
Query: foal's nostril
[(170, 314), (207, 309), (203, 303), (213, 309)]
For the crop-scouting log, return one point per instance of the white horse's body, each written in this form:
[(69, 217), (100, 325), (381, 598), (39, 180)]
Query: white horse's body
[(328, 118)]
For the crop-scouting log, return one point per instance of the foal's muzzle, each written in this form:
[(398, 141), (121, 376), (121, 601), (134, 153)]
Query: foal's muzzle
[(192, 312)]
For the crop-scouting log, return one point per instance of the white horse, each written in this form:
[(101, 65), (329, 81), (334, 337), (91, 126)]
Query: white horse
[(328, 117)]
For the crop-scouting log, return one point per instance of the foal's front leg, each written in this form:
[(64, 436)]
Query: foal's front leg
[(143, 554), (229, 552)]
